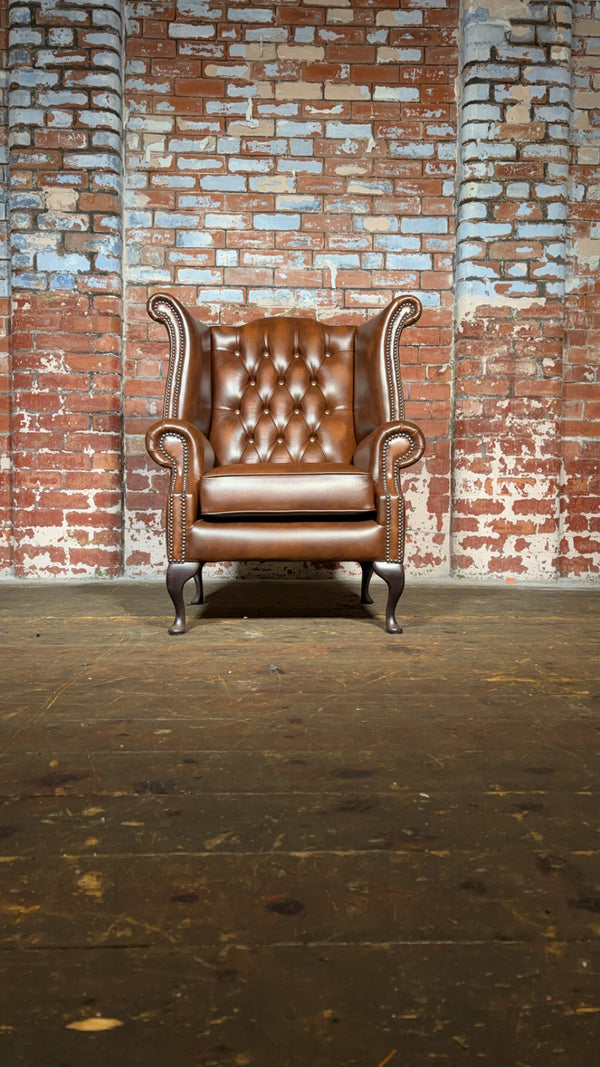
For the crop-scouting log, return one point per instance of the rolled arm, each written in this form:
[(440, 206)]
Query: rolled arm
[(188, 453), (385, 452), (167, 440), (388, 449)]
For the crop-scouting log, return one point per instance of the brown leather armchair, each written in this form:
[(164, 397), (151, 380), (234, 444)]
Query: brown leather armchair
[(285, 439)]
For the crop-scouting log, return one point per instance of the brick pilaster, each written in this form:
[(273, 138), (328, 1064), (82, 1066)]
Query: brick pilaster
[(6, 539), (512, 208), (580, 427), (65, 221)]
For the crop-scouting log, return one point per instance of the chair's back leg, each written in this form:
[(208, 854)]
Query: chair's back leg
[(367, 574), (199, 594)]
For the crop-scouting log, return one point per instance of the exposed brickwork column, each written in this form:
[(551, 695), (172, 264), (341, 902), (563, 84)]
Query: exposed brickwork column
[(65, 217), (6, 541), (512, 205), (580, 511), (292, 157)]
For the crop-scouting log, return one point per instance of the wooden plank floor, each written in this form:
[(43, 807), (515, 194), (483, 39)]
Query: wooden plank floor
[(288, 839)]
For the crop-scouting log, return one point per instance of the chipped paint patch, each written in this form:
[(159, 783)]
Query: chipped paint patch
[(520, 111), (469, 308), (587, 251), (377, 224), (499, 10)]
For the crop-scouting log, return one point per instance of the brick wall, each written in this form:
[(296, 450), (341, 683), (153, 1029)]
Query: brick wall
[(268, 157), (512, 207), (580, 428), (66, 216), (5, 440)]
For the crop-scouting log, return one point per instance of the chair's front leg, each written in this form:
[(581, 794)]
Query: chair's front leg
[(177, 575), (393, 575), (367, 573)]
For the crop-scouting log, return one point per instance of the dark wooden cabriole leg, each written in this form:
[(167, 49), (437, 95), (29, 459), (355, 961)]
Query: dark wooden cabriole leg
[(199, 594), (393, 575), (367, 574), (177, 575)]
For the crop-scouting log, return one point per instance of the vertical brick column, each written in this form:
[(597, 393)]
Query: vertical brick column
[(512, 206), (6, 541), (580, 511), (65, 220)]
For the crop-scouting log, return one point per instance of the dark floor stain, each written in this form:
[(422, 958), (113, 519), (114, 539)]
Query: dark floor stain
[(151, 788), (540, 770), (550, 864), (586, 904), (285, 906), (358, 804), (472, 885), (529, 805), (57, 778), (8, 831), (352, 772), (184, 898)]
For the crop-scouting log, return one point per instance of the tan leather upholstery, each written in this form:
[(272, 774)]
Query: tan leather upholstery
[(285, 439), (287, 490)]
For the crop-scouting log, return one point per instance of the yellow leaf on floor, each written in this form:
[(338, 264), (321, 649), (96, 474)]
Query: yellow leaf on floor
[(94, 1024)]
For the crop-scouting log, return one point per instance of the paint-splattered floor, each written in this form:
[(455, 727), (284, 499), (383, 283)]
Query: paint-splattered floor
[(289, 839)]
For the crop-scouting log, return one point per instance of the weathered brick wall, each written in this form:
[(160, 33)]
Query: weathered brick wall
[(512, 203), (285, 156), (302, 155), (66, 215), (580, 427), (5, 441)]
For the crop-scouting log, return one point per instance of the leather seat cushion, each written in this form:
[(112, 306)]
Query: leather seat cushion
[(286, 490)]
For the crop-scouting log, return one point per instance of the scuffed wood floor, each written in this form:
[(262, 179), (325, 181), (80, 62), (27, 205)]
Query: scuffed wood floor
[(289, 839)]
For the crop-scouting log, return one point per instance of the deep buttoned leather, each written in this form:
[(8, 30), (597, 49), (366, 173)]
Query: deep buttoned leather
[(282, 392)]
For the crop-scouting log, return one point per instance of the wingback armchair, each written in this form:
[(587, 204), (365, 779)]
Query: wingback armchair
[(285, 438)]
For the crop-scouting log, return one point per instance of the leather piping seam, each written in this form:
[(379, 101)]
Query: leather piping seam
[(170, 503), (168, 312), (392, 359)]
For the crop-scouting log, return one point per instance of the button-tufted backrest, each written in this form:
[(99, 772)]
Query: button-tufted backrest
[(282, 391)]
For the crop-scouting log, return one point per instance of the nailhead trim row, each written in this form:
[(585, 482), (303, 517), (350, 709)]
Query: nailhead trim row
[(396, 473), (171, 500), (171, 317), (392, 355)]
